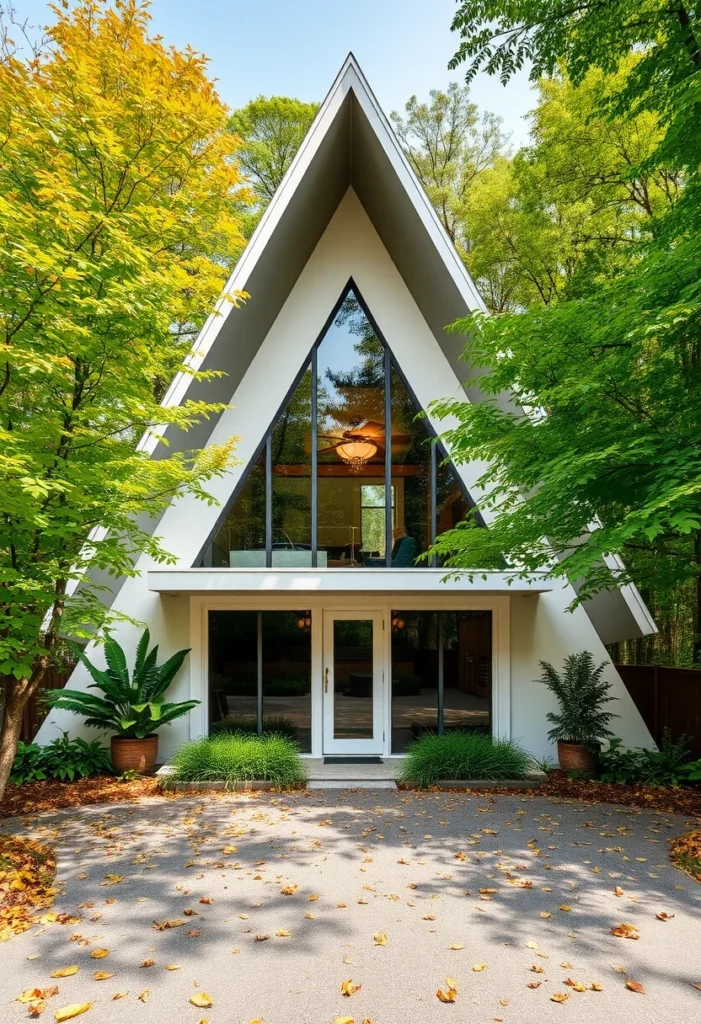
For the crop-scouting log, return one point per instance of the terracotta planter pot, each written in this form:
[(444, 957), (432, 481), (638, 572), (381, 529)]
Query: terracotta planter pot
[(575, 757), (137, 754)]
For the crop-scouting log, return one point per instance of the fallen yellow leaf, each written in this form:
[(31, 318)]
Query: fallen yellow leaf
[(201, 999), (71, 1011), (120, 995), (143, 996), (348, 987), (457, 945), (559, 997), (65, 972), (340, 1020), (635, 986), (565, 907), (479, 967), (172, 967), (380, 939), (103, 975), (625, 931), (450, 993), (282, 933)]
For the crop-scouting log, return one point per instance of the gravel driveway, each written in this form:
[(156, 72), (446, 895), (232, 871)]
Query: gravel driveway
[(276, 900)]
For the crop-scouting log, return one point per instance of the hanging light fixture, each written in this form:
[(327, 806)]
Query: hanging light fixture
[(356, 454), (397, 623)]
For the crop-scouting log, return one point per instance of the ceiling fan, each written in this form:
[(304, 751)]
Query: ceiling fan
[(360, 443)]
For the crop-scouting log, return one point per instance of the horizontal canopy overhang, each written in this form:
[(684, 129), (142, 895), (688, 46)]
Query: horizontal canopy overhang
[(338, 581)]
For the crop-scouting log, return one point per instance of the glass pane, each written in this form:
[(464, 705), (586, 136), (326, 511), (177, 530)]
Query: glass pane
[(411, 478), (414, 676), (233, 671), (353, 679), (240, 540), (451, 506), (351, 441), (291, 480), (467, 692), (287, 675)]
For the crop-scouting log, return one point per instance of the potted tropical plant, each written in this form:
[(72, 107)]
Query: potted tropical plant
[(582, 721), (132, 709)]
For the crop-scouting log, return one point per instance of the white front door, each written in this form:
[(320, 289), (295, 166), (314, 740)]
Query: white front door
[(353, 678)]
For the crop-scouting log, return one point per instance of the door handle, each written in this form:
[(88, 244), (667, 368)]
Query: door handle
[(326, 681)]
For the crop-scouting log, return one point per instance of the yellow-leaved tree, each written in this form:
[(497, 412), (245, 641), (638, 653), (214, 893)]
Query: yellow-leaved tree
[(121, 205)]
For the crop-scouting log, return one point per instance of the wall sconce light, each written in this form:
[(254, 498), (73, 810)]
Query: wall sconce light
[(397, 623), (304, 621)]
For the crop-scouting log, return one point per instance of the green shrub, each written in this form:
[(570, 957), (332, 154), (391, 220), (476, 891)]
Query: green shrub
[(668, 766), (239, 757), (463, 755), (271, 724), (61, 759), (27, 765)]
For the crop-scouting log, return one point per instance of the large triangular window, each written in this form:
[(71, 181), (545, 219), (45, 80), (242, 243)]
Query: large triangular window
[(349, 474)]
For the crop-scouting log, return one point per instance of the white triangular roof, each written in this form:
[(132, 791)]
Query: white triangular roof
[(350, 145)]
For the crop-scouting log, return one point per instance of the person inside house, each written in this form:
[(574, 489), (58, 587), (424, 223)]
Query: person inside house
[(404, 550)]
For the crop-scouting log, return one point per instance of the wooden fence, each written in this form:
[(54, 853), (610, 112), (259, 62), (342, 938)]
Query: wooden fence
[(667, 698), (36, 711)]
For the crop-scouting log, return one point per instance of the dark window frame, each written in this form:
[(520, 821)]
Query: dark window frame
[(438, 452)]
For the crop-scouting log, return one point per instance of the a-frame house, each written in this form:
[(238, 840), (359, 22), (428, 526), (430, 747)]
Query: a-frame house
[(304, 596)]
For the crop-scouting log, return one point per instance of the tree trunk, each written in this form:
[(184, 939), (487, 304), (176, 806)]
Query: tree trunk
[(17, 693)]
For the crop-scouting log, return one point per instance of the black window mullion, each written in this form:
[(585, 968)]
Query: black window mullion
[(269, 500), (259, 677), (314, 454), (388, 459), (441, 694)]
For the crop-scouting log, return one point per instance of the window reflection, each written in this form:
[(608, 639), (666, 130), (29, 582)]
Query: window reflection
[(284, 673), (352, 447)]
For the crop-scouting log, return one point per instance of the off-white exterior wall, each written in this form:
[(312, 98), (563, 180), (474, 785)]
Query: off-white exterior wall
[(350, 247)]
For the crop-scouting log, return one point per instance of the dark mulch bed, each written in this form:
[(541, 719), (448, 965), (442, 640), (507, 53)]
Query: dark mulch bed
[(682, 800), (52, 795)]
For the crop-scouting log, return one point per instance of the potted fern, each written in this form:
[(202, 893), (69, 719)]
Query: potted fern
[(131, 709), (582, 720)]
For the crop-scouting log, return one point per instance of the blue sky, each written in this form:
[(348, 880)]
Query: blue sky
[(295, 49)]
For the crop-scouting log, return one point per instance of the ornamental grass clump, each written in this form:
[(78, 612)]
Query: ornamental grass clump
[(463, 755), (239, 757)]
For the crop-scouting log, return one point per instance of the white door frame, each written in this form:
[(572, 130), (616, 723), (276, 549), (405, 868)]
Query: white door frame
[(201, 604), (376, 743)]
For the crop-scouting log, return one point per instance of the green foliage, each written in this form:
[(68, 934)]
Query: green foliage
[(463, 755), (271, 130), (668, 766), (27, 766), (131, 708), (581, 694), (239, 758), (449, 145), (119, 221), (279, 725), (62, 759), (598, 455)]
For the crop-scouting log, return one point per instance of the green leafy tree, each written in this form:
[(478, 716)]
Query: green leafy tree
[(449, 145), (117, 229), (605, 459), (271, 129)]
